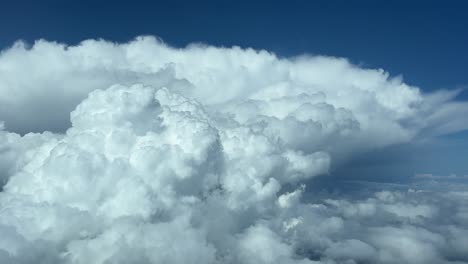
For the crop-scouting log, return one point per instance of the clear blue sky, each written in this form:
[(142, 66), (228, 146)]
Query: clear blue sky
[(425, 41)]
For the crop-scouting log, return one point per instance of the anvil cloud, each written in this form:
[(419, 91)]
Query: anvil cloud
[(200, 155)]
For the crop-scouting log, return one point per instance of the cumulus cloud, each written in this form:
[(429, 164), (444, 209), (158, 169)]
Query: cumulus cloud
[(200, 155)]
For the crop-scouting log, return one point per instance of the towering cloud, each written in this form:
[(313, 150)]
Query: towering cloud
[(200, 155)]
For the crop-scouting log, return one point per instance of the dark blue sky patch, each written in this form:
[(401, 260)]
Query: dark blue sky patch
[(425, 41)]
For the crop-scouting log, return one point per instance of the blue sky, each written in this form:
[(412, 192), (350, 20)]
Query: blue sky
[(424, 41)]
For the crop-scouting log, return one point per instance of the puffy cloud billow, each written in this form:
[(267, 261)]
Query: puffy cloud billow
[(202, 154)]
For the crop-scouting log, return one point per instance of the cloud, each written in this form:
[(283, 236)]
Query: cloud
[(429, 176), (200, 155)]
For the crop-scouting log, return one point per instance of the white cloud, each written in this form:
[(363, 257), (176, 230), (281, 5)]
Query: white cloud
[(198, 155), (429, 176)]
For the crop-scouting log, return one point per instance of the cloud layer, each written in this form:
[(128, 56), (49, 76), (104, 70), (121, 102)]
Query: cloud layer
[(200, 155)]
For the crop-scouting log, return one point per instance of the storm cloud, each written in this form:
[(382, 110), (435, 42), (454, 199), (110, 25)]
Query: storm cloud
[(144, 153)]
